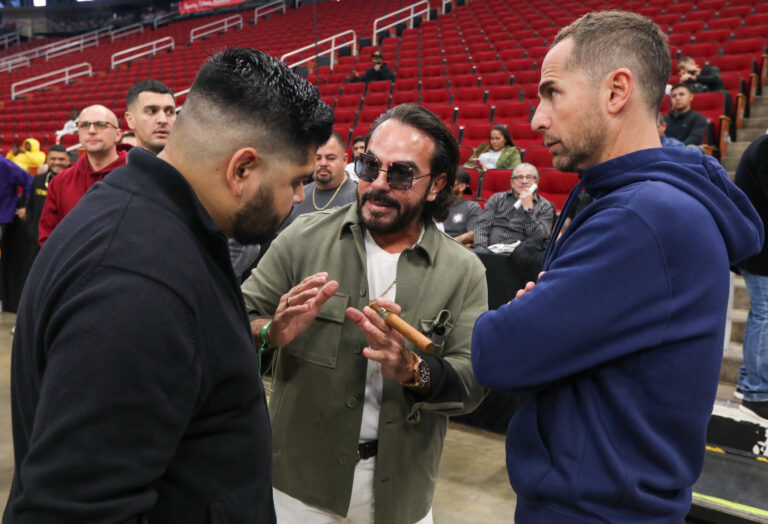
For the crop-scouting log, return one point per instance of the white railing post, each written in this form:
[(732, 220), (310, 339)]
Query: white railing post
[(414, 10), (214, 27), (126, 31), (64, 75), (264, 10), (330, 51), (150, 48)]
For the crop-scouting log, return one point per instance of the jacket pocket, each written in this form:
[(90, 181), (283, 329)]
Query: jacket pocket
[(319, 344), (437, 329)]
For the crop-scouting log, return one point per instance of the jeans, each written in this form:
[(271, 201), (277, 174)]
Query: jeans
[(753, 374)]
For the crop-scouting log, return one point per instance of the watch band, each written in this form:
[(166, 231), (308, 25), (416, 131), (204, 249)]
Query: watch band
[(421, 373)]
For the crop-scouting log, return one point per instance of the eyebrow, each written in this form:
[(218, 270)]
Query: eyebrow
[(409, 163), (544, 86)]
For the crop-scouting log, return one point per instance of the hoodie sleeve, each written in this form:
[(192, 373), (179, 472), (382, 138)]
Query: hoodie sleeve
[(51, 214), (591, 307)]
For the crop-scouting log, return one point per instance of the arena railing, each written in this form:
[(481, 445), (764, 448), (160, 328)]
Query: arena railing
[(150, 48), (266, 9), (126, 31), (41, 50), (161, 19), (75, 46), (214, 27), (334, 46), (16, 63), (65, 75), (406, 14), (7, 39)]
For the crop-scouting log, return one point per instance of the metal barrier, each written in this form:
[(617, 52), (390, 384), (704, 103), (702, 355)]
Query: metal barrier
[(56, 77), (14, 64), (92, 40), (150, 48), (9, 38), (126, 31), (329, 51), (41, 50), (264, 10), (411, 10), (214, 27), (161, 19)]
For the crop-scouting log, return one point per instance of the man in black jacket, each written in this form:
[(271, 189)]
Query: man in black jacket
[(378, 71), (135, 382), (683, 123)]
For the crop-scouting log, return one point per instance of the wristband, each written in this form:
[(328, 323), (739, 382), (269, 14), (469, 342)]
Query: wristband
[(264, 343)]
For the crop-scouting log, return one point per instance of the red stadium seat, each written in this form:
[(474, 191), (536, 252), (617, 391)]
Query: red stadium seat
[(461, 81), (444, 111), (476, 134), (523, 136), (512, 112), (539, 157), (460, 69), (468, 95), (495, 181), (498, 94), (473, 114), (434, 82), (555, 186), (404, 97), (495, 79), (435, 96), (382, 86)]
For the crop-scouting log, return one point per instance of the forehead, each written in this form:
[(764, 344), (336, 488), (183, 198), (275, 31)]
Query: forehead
[(556, 61), (96, 114), (150, 98), (524, 170), (680, 91), (394, 141), (57, 154), (332, 147)]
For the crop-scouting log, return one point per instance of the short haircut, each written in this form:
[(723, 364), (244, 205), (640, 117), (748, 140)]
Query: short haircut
[(339, 139), (504, 132), (445, 158), (275, 108), (607, 40), (361, 138), (153, 86), (526, 164), (660, 120), (58, 148), (685, 59), (679, 85)]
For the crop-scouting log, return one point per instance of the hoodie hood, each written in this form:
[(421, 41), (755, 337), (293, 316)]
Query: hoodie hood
[(33, 144), (698, 175)]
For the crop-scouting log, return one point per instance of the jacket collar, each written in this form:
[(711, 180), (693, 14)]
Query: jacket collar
[(426, 247)]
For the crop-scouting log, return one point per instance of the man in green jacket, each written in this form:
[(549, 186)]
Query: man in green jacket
[(359, 413)]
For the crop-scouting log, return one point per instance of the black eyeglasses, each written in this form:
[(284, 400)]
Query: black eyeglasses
[(100, 125), (399, 175)]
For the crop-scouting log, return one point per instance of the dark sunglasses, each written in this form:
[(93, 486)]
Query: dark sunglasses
[(399, 175)]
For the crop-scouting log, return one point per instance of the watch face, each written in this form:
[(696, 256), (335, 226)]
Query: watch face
[(423, 372)]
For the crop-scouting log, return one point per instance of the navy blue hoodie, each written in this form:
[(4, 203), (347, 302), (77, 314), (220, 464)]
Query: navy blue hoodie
[(620, 343)]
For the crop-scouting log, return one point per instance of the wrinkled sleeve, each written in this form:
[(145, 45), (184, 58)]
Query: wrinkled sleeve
[(698, 131), (51, 214)]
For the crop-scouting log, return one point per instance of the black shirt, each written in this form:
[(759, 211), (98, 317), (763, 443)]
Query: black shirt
[(752, 178), (690, 127)]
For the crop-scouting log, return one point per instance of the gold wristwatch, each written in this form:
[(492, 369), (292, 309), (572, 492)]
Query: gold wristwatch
[(421, 375)]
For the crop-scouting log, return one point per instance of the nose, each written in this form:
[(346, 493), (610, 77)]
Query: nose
[(540, 121), (381, 183)]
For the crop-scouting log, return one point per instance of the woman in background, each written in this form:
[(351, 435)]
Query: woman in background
[(498, 153)]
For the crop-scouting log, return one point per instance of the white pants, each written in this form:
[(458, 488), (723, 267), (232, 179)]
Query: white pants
[(291, 510)]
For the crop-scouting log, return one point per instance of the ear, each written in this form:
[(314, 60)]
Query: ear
[(346, 158), (620, 85), (437, 185), (240, 168), (129, 119)]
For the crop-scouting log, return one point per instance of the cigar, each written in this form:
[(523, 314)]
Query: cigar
[(404, 328)]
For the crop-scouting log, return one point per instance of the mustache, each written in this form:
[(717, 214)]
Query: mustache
[(380, 198)]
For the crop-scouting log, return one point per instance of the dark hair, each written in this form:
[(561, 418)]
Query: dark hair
[(58, 148), (681, 84), (153, 86), (504, 132), (685, 59), (361, 138), (247, 87), (338, 138), (445, 158), (606, 40)]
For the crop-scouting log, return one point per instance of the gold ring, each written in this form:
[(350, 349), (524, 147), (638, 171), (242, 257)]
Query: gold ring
[(288, 302)]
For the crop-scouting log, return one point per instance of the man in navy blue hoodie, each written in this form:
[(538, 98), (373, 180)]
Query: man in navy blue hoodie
[(622, 337)]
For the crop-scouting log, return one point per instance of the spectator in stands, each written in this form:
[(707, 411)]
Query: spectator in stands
[(128, 137), (12, 152), (359, 415), (683, 123), (331, 188), (699, 79), (378, 71), (358, 146), (752, 178), (70, 126), (502, 224), (150, 112), (30, 155), (666, 141), (498, 153), (136, 387), (464, 214), (98, 131), (13, 179), (618, 347)]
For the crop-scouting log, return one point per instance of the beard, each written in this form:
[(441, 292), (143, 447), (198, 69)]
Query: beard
[(404, 215), (585, 147), (258, 220)]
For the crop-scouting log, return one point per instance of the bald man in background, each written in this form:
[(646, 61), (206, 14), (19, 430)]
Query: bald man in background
[(99, 133)]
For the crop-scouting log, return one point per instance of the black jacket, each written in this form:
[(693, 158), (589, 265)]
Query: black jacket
[(135, 384), (752, 178), (690, 127), (371, 75)]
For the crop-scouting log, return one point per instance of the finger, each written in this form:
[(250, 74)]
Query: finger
[(540, 275), (377, 356), (316, 280), (375, 318), (373, 334), (390, 306), (325, 292)]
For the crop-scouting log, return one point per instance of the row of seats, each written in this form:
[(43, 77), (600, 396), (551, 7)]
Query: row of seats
[(553, 185)]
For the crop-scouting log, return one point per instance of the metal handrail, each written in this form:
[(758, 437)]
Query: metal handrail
[(5, 40), (91, 40), (41, 50), (14, 64), (126, 31), (329, 51), (60, 76), (161, 19), (150, 48), (214, 27), (264, 10), (412, 13)]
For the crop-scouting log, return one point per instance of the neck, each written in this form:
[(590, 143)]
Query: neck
[(330, 185), (149, 147), (400, 240), (102, 159), (631, 139)]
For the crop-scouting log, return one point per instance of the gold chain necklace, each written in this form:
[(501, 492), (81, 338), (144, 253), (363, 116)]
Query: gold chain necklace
[(314, 189)]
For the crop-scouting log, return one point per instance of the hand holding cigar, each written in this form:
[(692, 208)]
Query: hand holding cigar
[(404, 328)]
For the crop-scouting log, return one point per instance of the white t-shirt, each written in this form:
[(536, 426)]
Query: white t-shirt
[(490, 158)]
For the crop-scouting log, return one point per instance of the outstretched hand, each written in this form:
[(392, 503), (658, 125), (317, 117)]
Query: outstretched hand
[(529, 286), (298, 308), (385, 345)]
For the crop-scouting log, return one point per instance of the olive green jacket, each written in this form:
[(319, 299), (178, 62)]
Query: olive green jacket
[(317, 401), (508, 159)]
